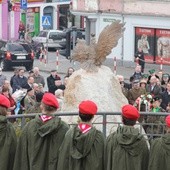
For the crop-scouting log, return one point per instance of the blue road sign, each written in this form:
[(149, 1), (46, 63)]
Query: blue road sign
[(46, 21), (23, 4)]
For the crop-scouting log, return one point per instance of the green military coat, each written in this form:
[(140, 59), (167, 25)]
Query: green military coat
[(160, 153), (8, 143), (82, 151), (126, 149), (39, 144)]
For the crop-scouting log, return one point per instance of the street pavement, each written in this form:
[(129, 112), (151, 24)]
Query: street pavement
[(125, 68)]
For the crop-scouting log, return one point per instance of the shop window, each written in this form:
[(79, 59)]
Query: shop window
[(155, 44)]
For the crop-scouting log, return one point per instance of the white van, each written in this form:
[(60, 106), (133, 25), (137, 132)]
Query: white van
[(49, 38)]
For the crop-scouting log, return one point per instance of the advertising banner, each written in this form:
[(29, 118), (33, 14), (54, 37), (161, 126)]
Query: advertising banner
[(144, 39), (162, 46), (30, 22)]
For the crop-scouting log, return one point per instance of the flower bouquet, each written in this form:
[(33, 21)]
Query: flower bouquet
[(142, 103)]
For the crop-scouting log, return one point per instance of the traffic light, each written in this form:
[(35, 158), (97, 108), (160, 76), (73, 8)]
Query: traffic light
[(9, 6), (66, 44)]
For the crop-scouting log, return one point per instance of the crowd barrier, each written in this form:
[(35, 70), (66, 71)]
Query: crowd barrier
[(104, 122)]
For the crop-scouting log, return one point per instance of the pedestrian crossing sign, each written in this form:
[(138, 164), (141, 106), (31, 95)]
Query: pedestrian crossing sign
[(46, 21)]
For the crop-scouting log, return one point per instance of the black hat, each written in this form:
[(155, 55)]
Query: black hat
[(29, 89), (156, 98)]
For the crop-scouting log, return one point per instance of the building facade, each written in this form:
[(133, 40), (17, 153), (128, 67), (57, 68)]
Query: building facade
[(32, 17), (147, 25)]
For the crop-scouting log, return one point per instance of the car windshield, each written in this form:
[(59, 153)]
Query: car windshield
[(43, 34), (55, 35), (16, 48), (27, 47)]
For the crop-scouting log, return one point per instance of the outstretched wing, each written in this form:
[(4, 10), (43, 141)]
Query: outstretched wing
[(108, 39)]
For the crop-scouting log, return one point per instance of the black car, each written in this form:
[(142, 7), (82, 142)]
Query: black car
[(14, 54)]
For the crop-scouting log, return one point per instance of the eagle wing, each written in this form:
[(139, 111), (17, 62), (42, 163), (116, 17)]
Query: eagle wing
[(108, 39)]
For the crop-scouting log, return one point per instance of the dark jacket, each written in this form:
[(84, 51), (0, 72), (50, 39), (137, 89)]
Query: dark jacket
[(137, 76), (51, 83), (160, 153), (126, 149), (165, 99), (82, 150), (39, 144), (141, 57), (8, 143), (156, 91), (27, 86), (19, 82)]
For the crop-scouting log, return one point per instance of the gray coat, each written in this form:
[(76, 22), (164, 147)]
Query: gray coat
[(2, 79)]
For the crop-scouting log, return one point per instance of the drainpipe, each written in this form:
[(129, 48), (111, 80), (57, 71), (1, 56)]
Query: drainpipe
[(122, 53)]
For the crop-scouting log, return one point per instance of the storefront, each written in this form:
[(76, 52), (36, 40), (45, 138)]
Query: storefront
[(155, 44), (32, 20), (32, 17), (149, 32)]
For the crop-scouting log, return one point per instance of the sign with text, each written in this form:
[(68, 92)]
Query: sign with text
[(30, 22)]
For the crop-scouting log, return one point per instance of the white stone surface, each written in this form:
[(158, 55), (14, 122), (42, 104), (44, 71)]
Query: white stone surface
[(102, 87)]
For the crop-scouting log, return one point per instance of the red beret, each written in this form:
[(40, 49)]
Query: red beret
[(50, 99), (130, 112), (167, 120), (4, 101), (88, 107)]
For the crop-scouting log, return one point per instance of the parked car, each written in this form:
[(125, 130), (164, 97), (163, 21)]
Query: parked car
[(49, 38), (14, 54)]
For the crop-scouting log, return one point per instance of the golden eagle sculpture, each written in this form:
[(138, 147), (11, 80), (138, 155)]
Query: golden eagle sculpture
[(92, 56)]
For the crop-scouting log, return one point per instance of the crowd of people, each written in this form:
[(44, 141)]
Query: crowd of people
[(148, 93), (48, 143), (33, 84)]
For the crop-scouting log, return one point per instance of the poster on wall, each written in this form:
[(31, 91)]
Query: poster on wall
[(30, 22), (163, 46), (144, 39)]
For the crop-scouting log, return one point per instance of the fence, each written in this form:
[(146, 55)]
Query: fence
[(105, 121)]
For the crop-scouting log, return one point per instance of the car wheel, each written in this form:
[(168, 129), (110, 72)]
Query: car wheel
[(29, 67), (4, 65)]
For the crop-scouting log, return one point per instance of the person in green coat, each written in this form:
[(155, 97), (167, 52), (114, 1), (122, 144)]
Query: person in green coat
[(41, 138), (127, 149), (8, 139), (160, 150), (83, 146)]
